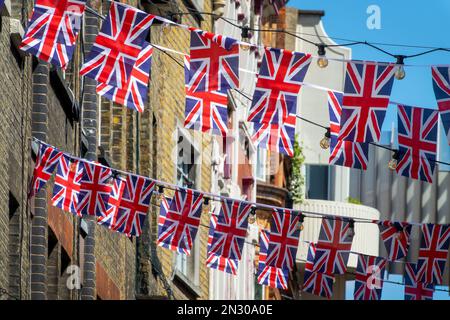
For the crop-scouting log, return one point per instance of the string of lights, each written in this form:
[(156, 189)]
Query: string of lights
[(323, 142), (256, 244), (322, 60)]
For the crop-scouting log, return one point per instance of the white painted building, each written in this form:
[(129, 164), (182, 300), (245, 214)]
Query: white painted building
[(234, 176), (327, 188)]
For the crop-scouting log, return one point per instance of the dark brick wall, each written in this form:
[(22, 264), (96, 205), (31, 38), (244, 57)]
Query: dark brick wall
[(15, 106)]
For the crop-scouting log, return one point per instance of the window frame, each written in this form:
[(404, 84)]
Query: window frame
[(190, 280)]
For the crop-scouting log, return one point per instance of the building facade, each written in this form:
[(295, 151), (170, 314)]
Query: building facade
[(49, 254), (326, 187)]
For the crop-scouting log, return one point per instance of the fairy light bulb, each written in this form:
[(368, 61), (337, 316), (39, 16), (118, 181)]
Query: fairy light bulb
[(252, 216), (400, 73), (245, 36), (351, 230), (322, 62), (166, 28), (325, 142), (300, 222), (392, 164)]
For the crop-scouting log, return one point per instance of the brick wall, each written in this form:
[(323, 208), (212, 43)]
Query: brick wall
[(164, 114), (34, 103), (15, 106)]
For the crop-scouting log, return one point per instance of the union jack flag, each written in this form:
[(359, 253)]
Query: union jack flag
[(205, 111), (66, 190), (178, 221), (134, 94), (117, 46), (417, 141), (1, 3), (46, 160), (441, 85), (395, 236), (433, 253), (214, 62), (416, 290), (316, 283), (95, 188), (53, 30), (344, 153), (369, 277), (333, 247), (284, 236), (267, 275), (109, 217), (276, 137), (133, 205), (366, 97), (279, 82), (227, 234)]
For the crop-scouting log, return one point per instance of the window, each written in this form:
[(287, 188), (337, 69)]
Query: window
[(317, 182), (187, 172), (261, 159)]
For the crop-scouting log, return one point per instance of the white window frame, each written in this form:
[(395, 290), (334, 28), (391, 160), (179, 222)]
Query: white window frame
[(181, 260)]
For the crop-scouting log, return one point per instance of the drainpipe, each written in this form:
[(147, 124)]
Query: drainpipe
[(89, 127)]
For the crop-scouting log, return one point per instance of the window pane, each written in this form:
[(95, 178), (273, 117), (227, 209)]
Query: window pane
[(317, 182)]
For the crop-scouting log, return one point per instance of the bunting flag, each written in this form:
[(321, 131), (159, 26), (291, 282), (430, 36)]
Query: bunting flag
[(1, 3), (369, 277), (278, 84), (204, 111), (395, 236), (316, 283), (95, 188), (333, 247), (134, 94), (276, 137), (108, 218), (367, 90), (227, 233), (118, 45), (433, 253), (214, 62), (47, 158), (267, 275), (53, 30), (344, 153), (441, 86), (134, 204), (66, 190), (417, 141), (284, 237), (416, 290), (179, 220)]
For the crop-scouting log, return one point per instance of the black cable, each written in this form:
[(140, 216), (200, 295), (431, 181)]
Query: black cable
[(293, 34), (352, 43), (256, 244), (326, 128)]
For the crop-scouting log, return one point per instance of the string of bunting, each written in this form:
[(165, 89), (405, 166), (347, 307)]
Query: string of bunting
[(120, 61), (120, 201)]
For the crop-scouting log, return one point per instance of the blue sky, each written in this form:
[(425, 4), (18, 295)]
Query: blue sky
[(402, 22), (410, 22)]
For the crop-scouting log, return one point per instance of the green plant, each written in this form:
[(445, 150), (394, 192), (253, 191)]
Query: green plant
[(297, 179), (353, 200)]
